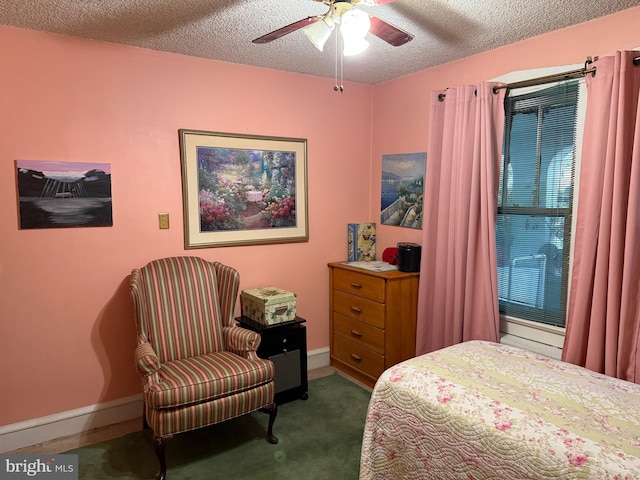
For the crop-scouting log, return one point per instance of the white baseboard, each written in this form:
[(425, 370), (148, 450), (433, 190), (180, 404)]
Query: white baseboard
[(72, 422), (318, 358), (535, 347)]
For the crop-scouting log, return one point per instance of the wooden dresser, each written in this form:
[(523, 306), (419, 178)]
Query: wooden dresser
[(373, 320)]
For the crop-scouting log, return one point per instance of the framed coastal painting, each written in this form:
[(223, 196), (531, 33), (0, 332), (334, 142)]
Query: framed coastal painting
[(402, 190), (63, 194), (243, 189)]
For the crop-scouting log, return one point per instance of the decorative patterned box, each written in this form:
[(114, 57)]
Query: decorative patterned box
[(268, 305), (361, 241)]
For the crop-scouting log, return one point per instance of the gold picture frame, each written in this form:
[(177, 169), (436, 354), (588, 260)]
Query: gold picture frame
[(243, 189)]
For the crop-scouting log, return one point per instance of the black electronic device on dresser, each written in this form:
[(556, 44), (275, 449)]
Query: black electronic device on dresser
[(285, 344)]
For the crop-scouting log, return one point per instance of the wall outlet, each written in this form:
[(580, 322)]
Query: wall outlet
[(163, 220)]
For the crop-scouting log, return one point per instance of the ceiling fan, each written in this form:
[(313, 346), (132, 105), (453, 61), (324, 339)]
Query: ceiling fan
[(354, 24)]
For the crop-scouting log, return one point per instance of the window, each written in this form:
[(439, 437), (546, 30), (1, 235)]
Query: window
[(535, 207)]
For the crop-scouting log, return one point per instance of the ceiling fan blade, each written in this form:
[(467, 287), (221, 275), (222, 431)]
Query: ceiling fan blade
[(292, 27), (389, 33)]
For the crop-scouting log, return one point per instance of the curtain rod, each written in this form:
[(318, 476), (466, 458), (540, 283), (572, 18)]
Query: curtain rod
[(570, 75), (556, 77), (579, 73)]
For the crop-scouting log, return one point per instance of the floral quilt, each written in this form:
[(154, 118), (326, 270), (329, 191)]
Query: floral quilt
[(480, 410)]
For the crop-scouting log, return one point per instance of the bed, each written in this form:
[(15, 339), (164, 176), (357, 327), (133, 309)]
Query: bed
[(480, 410)]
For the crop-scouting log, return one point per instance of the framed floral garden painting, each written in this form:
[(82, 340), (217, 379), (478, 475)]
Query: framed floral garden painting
[(243, 189)]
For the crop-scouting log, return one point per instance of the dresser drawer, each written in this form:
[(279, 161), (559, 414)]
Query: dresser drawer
[(358, 357), (359, 333), (360, 284), (359, 308)]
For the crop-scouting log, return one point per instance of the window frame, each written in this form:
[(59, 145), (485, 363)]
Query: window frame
[(536, 336), (531, 103)]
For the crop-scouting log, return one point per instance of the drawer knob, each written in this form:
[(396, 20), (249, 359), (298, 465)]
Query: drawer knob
[(356, 309), (356, 333), (357, 358), (356, 285)]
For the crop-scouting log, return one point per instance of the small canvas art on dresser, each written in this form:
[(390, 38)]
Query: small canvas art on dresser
[(361, 242)]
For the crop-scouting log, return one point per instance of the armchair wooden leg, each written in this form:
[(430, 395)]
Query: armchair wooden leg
[(158, 446), (273, 411)]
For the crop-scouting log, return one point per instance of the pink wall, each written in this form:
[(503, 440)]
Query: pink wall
[(67, 335), (67, 330), (401, 107)]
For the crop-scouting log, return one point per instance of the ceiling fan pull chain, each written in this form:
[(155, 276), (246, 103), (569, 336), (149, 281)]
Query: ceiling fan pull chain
[(335, 76), (341, 68), (336, 87)]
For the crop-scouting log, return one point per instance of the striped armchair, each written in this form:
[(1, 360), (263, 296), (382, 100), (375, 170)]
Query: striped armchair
[(198, 367)]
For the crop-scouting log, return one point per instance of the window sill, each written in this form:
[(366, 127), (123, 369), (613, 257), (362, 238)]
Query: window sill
[(539, 338)]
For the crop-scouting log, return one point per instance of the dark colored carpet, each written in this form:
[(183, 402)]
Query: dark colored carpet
[(319, 438)]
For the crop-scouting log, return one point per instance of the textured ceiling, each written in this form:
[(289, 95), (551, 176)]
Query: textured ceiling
[(443, 30)]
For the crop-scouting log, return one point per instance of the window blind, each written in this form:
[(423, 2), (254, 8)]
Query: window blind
[(535, 204)]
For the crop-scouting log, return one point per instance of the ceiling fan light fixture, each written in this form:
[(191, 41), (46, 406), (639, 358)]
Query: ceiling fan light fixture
[(319, 32), (354, 25), (354, 46)]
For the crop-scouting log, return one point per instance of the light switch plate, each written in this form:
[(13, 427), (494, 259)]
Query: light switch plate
[(163, 219)]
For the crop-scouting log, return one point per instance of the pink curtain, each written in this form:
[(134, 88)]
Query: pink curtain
[(603, 321), (458, 295)]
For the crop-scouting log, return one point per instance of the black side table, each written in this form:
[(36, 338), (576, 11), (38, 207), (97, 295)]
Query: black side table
[(285, 344)]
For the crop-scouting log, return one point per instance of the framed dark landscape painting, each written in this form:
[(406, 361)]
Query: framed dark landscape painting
[(64, 194), (402, 189), (243, 189)]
